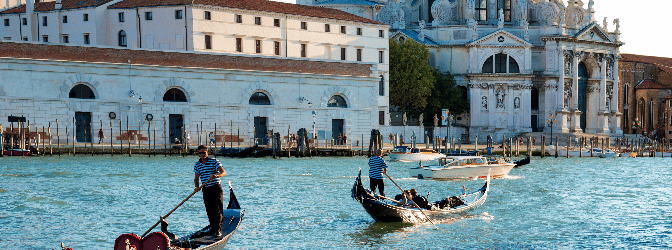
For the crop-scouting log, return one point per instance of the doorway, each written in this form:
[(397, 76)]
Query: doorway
[(260, 130), (175, 124), (336, 128), (533, 122), (83, 126), (582, 102)]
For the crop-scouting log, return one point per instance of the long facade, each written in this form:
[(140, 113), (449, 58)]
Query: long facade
[(525, 63)]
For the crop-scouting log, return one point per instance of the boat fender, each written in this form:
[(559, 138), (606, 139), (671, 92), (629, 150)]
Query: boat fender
[(421, 177)]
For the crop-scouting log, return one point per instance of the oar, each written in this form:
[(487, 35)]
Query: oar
[(171, 211), (416, 205)]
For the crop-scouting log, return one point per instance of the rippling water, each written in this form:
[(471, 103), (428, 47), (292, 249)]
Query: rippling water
[(87, 201)]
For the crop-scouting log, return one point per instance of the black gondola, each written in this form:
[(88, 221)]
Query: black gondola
[(386, 210)]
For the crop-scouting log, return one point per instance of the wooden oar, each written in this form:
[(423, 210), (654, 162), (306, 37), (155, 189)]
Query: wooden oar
[(171, 211), (416, 205)]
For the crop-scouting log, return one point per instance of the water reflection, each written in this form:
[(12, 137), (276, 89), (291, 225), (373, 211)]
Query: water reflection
[(378, 233)]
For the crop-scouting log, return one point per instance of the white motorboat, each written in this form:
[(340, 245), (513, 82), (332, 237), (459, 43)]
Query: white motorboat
[(405, 154), (573, 152), (462, 167), (608, 153)]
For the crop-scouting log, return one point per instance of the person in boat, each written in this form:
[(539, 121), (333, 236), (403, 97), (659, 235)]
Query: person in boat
[(404, 199), (377, 167), (419, 200), (210, 170)]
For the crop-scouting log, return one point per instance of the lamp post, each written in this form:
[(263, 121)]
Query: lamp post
[(314, 135), (636, 124), (550, 123)]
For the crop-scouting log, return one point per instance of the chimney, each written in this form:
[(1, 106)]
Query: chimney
[(31, 20), (58, 5)]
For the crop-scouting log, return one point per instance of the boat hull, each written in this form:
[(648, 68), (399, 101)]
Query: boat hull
[(411, 157), (17, 152), (479, 171)]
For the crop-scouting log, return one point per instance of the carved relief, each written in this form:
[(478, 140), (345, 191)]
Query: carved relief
[(610, 68), (569, 62), (516, 103), (567, 94), (575, 16), (547, 13), (610, 96), (500, 94), (392, 13), (441, 11), (484, 102), (593, 89)]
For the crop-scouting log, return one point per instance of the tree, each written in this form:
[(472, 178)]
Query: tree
[(411, 76), (446, 95)]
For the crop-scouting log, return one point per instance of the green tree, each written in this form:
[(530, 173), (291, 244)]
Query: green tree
[(411, 77), (446, 95)]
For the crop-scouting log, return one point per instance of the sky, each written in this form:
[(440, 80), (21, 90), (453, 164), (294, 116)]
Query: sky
[(646, 25)]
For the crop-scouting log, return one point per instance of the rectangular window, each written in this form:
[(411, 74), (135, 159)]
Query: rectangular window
[(239, 19), (276, 22), (359, 55), (6, 22), (25, 38), (327, 28), (65, 19), (44, 21), (178, 14), (87, 40), (381, 56), (381, 33), (86, 17), (303, 50), (342, 53), (121, 17), (8, 38), (342, 29), (257, 20), (148, 15), (24, 21), (257, 46), (381, 117), (304, 25), (359, 31), (66, 39), (208, 42), (277, 48), (45, 39), (207, 15), (239, 44), (481, 10)]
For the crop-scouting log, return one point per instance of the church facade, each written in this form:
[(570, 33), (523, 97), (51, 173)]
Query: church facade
[(528, 65)]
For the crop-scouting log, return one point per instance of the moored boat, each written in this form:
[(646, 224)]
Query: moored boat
[(386, 210), (17, 152), (232, 216), (406, 154), (462, 167)]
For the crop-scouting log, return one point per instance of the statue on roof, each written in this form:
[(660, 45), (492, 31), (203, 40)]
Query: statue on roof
[(605, 24), (617, 22)]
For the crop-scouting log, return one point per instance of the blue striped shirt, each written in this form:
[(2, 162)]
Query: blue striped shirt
[(376, 166), (205, 170)]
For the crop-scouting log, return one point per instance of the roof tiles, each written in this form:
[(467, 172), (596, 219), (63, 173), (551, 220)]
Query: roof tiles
[(178, 59)]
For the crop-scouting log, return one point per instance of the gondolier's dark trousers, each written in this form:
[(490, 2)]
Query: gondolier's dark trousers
[(214, 204), (380, 184)]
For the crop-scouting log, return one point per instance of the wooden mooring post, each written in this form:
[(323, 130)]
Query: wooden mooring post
[(569, 145), (2, 140), (543, 146), (557, 145)]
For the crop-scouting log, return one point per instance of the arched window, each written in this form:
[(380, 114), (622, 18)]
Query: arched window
[(506, 6), (81, 91), (500, 63), (650, 125), (381, 86), (481, 10), (337, 101), (259, 98), (402, 39), (174, 95), (122, 38)]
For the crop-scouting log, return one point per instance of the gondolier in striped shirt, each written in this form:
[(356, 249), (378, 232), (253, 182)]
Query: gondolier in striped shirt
[(377, 167), (210, 169)]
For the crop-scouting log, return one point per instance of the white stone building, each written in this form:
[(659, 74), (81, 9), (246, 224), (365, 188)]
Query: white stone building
[(86, 88), (523, 61)]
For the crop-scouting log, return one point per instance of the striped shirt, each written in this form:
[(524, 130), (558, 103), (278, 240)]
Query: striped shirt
[(205, 170), (376, 166)]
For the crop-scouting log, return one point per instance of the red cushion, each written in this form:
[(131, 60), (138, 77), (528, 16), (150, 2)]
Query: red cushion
[(155, 240), (133, 241)]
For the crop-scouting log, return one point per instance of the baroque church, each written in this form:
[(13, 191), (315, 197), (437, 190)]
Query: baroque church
[(524, 63)]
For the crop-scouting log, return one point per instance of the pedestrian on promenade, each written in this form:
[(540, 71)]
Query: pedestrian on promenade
[(100, 135)]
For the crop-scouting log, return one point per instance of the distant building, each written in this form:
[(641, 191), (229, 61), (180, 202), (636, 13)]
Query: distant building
[(646, 82), (524, 62)]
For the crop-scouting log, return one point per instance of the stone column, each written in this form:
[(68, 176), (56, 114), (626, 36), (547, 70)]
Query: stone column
[(561, 112), (603, 115), (615, 114), (576, 113)]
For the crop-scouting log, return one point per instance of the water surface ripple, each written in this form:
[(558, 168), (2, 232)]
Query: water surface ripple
[(292, 203)]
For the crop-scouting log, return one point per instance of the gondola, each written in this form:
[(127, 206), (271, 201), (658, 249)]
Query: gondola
[(386, 210), (522, 162), (199, 240), (237, 152)]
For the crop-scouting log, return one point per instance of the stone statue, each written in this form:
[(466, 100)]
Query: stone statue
[(500, 98), (421, 34), (470, 10), (516, 103), (563, 13), (484, 102), (618, 25), (421, 119), (436, 121), (500, 16), (605, 24), (403, 119), (590, 5)]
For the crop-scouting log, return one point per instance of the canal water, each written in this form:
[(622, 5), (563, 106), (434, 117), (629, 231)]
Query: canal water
[(292, 203)]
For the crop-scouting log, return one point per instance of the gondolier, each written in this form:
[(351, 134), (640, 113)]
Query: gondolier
[(210, 170), (377, 167)]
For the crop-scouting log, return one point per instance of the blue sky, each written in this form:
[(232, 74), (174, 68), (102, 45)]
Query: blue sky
[(645, 24)]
